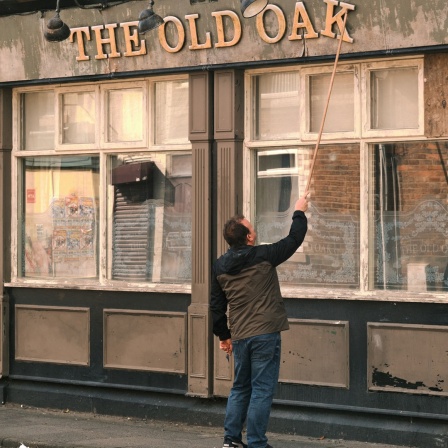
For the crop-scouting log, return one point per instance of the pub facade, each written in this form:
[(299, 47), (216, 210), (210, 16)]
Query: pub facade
[(123, 152)]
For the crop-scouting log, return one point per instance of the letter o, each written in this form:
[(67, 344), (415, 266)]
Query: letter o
[(180, 32), (281, 24)]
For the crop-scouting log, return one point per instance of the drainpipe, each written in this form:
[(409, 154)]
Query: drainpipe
[(5, 239)]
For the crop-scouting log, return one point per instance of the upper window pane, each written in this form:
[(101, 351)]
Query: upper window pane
[(341, 114), (171, 112), (150, 233), (330, 253), (409, 203), (78, 117), (60, 216), (38, 123), (275, 107), (124, 115), (394, 98)]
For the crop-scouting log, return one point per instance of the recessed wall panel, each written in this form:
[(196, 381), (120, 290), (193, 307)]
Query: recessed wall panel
[(315, 352), (139, 340), (408, 358), (52, 334)]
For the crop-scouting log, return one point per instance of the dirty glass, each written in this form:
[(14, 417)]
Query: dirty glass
[(124, 115), (150, 198), (275, 103), (394, 98), (38, 121), (330, 254), (59, 211), (78, 117), (341, 112), (409, 216), (171, 112)]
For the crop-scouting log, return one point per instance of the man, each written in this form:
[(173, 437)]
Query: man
[(245, 280)]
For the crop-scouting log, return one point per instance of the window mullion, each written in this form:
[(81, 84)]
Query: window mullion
[(364, 217), (102, 231)]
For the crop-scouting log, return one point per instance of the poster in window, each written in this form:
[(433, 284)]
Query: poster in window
[(60, 243)]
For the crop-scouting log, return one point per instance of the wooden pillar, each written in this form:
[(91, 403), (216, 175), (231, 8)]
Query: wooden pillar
[(229, 135), (200, 354), (5, 219)]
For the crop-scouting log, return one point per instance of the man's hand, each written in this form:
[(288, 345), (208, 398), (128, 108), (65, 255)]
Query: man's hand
[(226, 346), (302, 203)]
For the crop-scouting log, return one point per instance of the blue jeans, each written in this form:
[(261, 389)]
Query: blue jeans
[(257, 364)]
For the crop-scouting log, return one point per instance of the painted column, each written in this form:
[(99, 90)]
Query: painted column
[(229, 135), (5, 206), (199, 325)]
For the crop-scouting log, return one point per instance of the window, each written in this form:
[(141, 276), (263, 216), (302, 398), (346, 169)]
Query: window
[(37, 118), (275, 99), (393, 98), (330, 254), (171, 121), (104, 191), (150, 217), (78, 118), (341, 112), (124, 115), (60, 217), (409, 205), (379, 207)]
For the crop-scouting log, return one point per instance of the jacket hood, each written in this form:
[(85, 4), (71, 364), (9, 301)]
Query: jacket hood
[(236, 259)]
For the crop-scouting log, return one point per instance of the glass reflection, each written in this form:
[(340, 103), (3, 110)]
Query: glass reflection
[(409, 203), (330, 253)]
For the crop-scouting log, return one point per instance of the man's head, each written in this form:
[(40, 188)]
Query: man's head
[(238, 231)]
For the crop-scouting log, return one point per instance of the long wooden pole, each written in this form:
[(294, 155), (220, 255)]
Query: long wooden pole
[(319, 136)]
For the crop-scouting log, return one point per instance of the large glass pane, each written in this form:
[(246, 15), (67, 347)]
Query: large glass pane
[(171, 112), (150, 216), (341, 113), (37, 110), (394, 98), (330, 253), (275, 106), (409, 216), (60, 217), (78, 118), (125, 115)]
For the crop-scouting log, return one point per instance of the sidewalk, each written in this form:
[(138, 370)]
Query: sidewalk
[(45, 428)]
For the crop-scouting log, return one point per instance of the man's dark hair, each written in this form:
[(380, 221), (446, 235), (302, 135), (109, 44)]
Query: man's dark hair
[(234, 232)]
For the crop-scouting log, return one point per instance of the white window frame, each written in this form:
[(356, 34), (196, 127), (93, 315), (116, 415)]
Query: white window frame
[(306, 113), (105, 89), (249, 140), (365, 137), (59, 92), (16, 134), (367, 68), (99, 149), (151, 114), (105, 252)]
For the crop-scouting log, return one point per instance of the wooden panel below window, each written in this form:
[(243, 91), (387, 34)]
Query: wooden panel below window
[(139, 340), (408, 358), (315, 352), (52, 334)]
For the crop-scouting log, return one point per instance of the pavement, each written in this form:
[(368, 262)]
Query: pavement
[(28, 427)]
